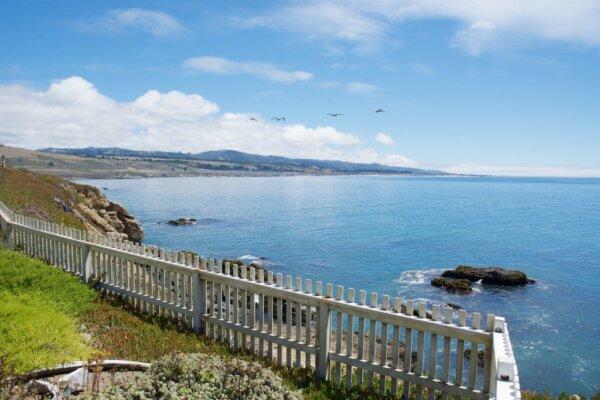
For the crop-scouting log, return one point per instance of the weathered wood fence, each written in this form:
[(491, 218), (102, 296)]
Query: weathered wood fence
[(347, 336)]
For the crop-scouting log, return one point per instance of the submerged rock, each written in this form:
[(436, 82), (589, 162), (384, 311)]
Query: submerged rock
[(459, 286), (490, 275), (183, 221)]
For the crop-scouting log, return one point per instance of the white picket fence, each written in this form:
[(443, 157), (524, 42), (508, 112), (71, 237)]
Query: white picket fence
[(291, 320)]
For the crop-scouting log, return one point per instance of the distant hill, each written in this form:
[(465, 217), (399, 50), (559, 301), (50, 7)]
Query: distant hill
[(247, 161)]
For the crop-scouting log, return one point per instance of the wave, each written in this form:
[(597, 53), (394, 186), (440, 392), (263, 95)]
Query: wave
[(251, 259), (417, 276)]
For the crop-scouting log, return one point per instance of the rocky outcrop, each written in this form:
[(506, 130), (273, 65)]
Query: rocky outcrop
[(458, 286), (490, 276), (100, 215)]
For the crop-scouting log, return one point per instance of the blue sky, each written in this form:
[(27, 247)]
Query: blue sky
[(506, 87)]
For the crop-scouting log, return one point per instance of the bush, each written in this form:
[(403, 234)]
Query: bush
[(200, 377)]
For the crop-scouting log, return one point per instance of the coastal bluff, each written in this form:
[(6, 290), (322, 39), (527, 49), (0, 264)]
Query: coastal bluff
[(58, 200)]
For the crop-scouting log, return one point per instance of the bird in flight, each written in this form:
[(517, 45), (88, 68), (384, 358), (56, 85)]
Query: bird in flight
[(253, 119), (278, 119), (379, 110), (334, 114)]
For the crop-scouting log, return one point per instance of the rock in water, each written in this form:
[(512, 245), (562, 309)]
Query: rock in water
[(459, 286), (183, 221), (490, 276)]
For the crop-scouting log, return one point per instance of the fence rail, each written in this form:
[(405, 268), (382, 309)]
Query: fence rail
[(393, 345)]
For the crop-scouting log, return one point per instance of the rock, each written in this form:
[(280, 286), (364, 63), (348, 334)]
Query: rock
[(66, 206), (454, 306), (459, 286), (119, 209), (44, 389), (491, 276), (182, 221), (133, 229), (92, 215), (73, 382)]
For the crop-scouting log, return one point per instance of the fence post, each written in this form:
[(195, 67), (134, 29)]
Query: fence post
[(86, 263), (504, 384), (8, 234), (198, 296), (323, 338)]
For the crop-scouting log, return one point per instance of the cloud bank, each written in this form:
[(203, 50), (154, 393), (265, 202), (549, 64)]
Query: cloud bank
[(73, 113)]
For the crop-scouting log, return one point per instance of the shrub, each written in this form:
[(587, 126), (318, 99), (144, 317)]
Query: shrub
[(200, 377)]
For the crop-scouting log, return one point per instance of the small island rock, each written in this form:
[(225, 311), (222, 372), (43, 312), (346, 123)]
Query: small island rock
[(491, 275), (459, 286)]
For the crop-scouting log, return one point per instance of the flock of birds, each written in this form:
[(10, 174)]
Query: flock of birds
[(333, 115)]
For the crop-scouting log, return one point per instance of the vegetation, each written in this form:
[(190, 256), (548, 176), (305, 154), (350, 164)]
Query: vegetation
[(201, 376), (529, 395), (45, 312), (39, 308), (38, 195), (123, 163)]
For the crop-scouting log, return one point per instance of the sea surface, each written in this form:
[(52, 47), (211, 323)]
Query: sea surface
[(392, 234)]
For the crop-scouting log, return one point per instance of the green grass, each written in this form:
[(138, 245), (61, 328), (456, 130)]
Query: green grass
[(20, 274), (34, 334), (39, 311)]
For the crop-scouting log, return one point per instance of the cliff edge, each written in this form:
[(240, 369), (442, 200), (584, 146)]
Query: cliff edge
[(61, 201)]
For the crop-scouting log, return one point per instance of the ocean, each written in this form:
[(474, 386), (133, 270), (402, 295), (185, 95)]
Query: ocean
[(392, 234)]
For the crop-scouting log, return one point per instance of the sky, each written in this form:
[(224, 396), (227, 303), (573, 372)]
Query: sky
[(503, 87)]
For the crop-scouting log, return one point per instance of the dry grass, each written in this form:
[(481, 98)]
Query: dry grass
[(34, 195)]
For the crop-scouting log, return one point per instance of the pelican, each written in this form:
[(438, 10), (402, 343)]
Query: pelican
[(379, 110), (335, 114), (278, 119)]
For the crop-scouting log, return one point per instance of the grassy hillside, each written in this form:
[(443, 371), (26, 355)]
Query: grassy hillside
[(122, 163), (71, 166), (36, 195)]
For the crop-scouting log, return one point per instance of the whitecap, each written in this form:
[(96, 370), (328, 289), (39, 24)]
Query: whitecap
[(248, 257), (417, 276)]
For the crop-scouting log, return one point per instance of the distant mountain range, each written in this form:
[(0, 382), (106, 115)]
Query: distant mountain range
[(245, 161)]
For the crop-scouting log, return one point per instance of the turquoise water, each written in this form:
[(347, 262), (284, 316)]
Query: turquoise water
[(390, 234)]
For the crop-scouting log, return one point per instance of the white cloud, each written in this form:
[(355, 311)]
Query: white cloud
[(218, 65), (73, 113), (358, 88), (507, 170), (155, 23), (366, 25), (361, 88), (384, 139), (329, 21)]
